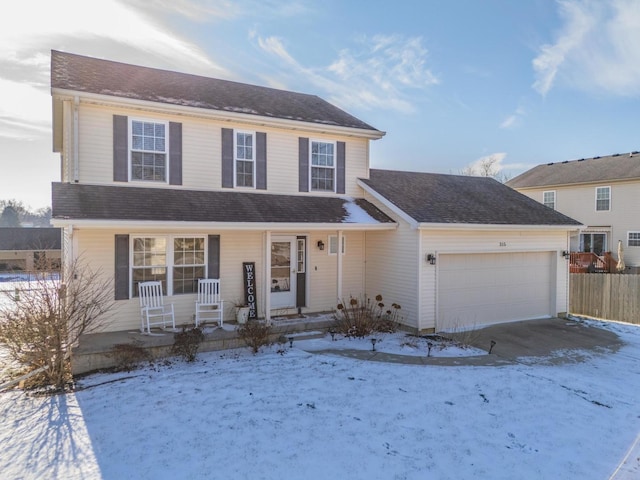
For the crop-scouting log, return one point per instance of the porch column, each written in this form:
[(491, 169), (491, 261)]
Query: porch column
[(339, 255), (267, 278)]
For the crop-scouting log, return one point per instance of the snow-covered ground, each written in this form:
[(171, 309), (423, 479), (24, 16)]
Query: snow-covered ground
[(307, 415)]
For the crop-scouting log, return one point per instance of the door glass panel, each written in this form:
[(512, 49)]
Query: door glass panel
[(280, 266)]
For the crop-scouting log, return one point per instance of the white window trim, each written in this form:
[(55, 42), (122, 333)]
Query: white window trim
[(629, 237), (166, 149), (169, 256), (344, 244), (335, 164), (554, 198), (596, 199), (236, 159)]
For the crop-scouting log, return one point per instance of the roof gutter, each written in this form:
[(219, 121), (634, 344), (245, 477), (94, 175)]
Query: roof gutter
[(246, 226), (220, 115), (495, 226)]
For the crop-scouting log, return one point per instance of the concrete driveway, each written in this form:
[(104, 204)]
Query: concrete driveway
[(558, 340)]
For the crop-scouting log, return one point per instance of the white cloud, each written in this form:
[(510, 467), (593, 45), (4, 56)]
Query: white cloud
[(597, 49), (514, 120), (378, 74)]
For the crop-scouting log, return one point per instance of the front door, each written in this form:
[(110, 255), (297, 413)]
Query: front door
[(283, 272)]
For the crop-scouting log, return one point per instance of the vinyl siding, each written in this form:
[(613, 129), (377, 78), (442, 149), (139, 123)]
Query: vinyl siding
[(392, 269), (579, 202), (201, 151), (96, 248)]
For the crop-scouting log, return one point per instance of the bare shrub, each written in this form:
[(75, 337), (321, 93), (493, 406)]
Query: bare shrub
[(128, 356), (255, 334), (187, 343), (40, 326), (362, 317)]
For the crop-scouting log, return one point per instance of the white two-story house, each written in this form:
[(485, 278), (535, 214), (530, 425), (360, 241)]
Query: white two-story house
[(175, 177), (602, 192)]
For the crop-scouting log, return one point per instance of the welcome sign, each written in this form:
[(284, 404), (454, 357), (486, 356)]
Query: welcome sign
[(249, 276)]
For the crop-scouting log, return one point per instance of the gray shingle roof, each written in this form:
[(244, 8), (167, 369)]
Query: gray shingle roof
[(105, 202), (438, 198), (92, 75), (14, 238), (590, 170)]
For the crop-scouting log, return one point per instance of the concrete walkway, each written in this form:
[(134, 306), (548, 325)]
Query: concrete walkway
[(551, 341)]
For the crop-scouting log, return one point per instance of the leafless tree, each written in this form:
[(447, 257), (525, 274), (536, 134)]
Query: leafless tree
[(39, 325)]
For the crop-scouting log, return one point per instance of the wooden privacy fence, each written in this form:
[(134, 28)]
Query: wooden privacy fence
[(605, 295)]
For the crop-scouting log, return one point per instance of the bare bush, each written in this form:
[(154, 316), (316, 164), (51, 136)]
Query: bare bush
[(362, 317), (187, 343), (255, 334), (41, 324), (128, 356)]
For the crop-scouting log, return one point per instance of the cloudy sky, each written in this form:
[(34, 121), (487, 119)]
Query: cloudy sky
[(527, 81)]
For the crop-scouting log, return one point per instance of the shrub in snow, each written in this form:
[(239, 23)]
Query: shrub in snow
[(187, 342), (128, 356), (362, 317), (255, 334)]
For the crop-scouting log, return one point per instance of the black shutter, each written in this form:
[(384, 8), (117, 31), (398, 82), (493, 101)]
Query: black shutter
[(340, 172), (303, 164), (261, 161), (213, 265), (120, 148), (227, 158), (175, 153), (121, 280)]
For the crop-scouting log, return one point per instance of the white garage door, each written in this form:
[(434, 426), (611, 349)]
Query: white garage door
[(481, 289)]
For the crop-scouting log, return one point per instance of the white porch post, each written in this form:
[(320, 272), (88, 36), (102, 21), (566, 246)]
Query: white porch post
[(267, 278), (339, 255)]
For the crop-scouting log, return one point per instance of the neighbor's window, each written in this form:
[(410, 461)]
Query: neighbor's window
[(149, 261), (323, 166), (603, 198), (633, 239), (244, 158), (148, 151), (178, 262), (333, 244), (549, 199)]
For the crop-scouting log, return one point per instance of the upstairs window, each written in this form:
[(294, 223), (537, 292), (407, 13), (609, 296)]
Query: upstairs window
[(603, 199), (633, 239), (244, 161), (148, 151), (323, 170), (549, 199)]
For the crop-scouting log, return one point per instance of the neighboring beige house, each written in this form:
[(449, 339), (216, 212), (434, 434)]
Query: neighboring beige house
[(176, 177), (26, 249), (601, 192)]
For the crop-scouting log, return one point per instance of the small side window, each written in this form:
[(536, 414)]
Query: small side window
[(549, 199), (333, 244)]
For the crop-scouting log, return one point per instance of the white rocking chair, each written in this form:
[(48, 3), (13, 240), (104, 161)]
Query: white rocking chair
[(153, 311), (208, 305)]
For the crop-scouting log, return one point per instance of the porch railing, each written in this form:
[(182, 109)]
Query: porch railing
[(589, 262)]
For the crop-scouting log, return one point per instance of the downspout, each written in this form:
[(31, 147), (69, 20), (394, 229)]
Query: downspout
[(267, 280), (76, 141), (339, 283)]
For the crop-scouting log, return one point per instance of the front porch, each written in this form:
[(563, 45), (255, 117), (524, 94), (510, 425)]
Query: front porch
[(95, 351)]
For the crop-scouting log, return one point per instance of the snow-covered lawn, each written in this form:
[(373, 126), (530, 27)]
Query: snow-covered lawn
[(231, 415)]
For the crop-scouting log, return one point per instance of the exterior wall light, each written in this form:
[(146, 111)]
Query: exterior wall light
[(566, 254), (320, 245), (431, 258)]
